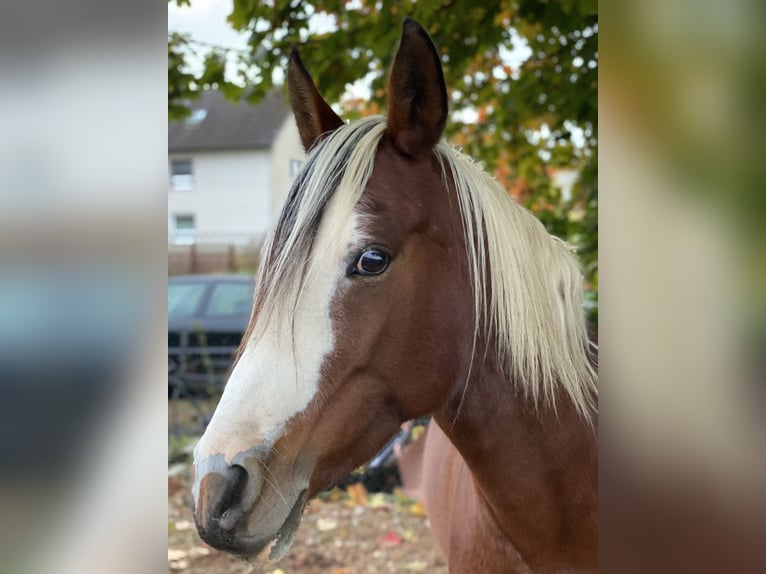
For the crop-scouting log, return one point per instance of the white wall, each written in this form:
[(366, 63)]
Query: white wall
[(231, 197), (287, 147)]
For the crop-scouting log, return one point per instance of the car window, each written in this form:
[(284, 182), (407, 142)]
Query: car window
[(230, 299), (184, 299)]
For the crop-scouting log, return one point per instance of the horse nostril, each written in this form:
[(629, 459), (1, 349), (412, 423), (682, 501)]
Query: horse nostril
[(225, 495), (236, 477)]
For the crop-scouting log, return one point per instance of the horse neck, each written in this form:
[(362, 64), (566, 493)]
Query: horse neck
[(535, 469)]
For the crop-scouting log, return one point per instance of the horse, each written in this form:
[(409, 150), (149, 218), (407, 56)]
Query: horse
[(401, 280)]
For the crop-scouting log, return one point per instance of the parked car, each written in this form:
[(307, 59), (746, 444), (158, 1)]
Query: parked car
[(207, 317)]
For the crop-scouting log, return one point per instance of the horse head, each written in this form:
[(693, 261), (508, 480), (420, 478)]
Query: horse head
[(362, 282)]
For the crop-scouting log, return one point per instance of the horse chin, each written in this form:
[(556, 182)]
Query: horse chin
[(281, 542)]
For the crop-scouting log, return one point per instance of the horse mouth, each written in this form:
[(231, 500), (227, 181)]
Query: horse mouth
[(278, 546)]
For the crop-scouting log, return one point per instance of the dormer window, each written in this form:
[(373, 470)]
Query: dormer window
[(196, 117)]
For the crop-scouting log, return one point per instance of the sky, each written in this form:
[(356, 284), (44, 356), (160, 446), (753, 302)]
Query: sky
[(205, 21)]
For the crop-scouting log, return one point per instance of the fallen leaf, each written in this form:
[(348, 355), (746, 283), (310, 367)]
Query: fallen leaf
[(277, 571), (174, 485), (417, 565), (183, 525), (176, 554), (400, 497), (179, 564), (408, 535), (418, 509), (327, 524), (377, 500), (335, 494), (199, 551), (390, 539), (300, 559), (357, 493)]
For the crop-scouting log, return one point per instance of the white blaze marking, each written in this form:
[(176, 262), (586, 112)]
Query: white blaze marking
[(277, 376)]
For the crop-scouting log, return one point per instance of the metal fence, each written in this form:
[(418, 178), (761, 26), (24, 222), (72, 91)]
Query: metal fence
[(196, 376)]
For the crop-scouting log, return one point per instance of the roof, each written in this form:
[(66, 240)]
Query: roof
[(229, 125)]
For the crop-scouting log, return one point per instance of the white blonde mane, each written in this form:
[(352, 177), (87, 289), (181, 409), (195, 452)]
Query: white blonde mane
[(534, 286), (527, 284)]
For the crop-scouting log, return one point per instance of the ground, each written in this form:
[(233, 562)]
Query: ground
[(353, 532), (348, 531)]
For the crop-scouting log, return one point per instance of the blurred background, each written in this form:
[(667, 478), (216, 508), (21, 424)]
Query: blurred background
[(522, 79), (82, 282), (523, 99), (683, 314), (87, 241)]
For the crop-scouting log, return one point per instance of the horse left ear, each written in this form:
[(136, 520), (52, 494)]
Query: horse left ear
[(417, 94), (313, 115)]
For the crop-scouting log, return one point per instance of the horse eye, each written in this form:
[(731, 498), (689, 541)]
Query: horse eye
[(371, 261)]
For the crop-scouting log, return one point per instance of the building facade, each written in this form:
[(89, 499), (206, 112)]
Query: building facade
[(230, 166)]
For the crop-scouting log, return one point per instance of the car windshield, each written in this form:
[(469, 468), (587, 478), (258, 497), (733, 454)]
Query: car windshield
[(230, 299), (184, 299)]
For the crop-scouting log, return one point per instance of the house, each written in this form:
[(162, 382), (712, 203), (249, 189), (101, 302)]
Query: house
[(230, 168)]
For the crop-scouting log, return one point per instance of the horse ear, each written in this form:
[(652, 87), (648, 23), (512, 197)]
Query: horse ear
[(313, 115), (417, 95)]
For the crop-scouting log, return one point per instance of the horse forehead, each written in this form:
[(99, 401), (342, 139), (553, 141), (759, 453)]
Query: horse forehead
[(400, 189)]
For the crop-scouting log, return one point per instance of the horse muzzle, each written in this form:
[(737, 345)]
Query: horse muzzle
[(238, 511)]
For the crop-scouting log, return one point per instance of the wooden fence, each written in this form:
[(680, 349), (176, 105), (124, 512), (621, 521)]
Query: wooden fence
[(212, 258)]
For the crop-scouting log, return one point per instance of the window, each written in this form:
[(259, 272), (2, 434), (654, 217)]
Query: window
[(230, 299), (184, 299), (181, 175), (184, 229), (184, 222), (181, 167), (295, 167), (195, 117)]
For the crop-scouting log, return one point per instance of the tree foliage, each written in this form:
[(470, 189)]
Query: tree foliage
[(523, 123)]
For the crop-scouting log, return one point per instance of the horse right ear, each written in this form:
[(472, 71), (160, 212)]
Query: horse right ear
[(417, 94), (313, 115)]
